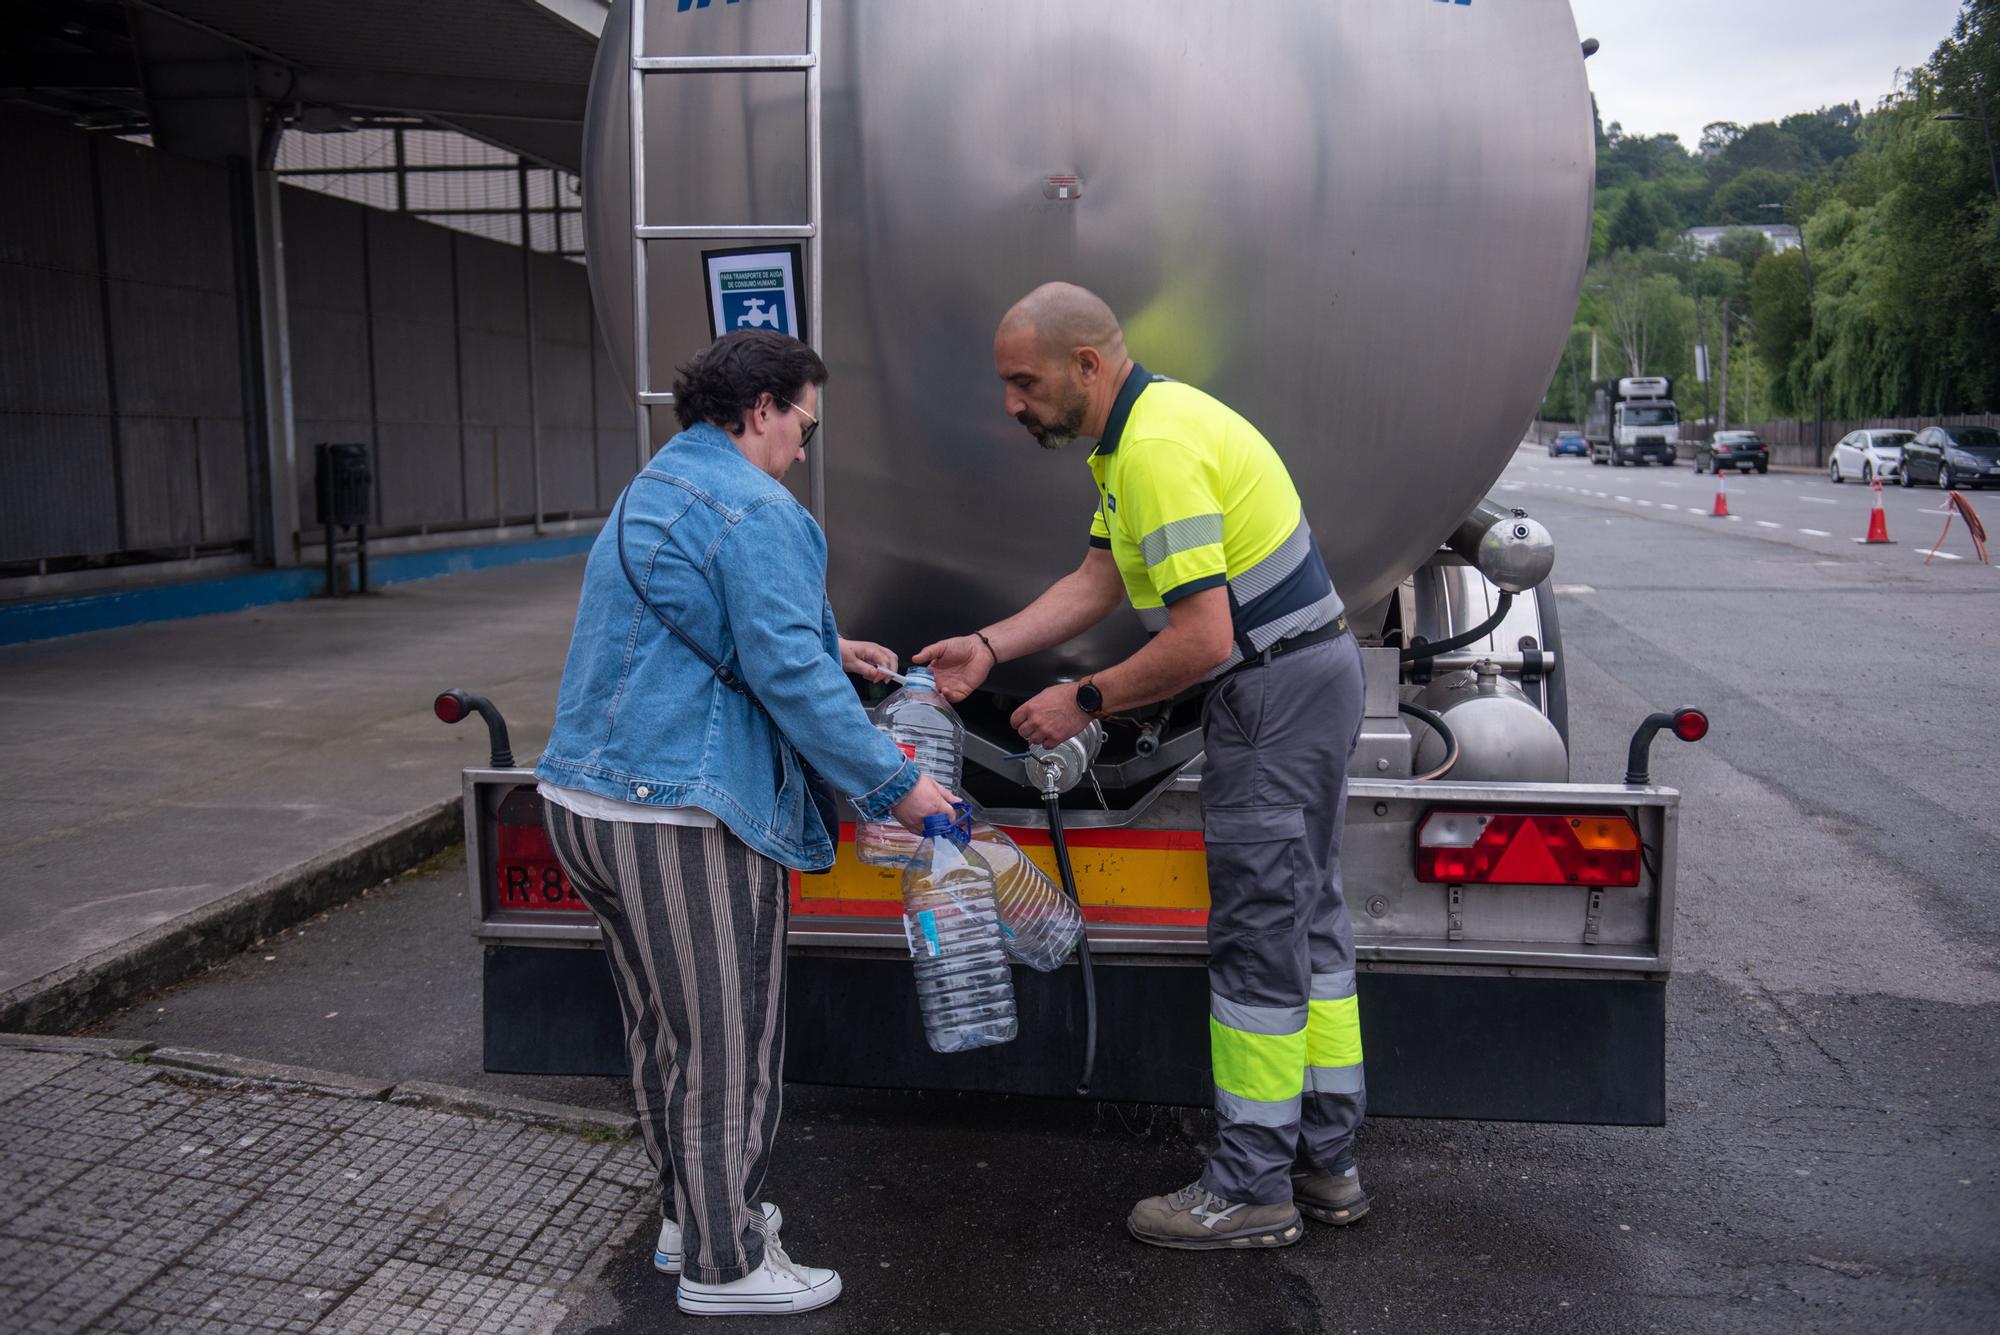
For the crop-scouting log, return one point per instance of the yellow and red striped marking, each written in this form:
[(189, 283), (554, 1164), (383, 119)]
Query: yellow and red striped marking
[(1155, 877)]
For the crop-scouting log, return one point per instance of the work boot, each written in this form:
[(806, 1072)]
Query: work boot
[(667, 1251), (1196, 1219), (1331, 1198)]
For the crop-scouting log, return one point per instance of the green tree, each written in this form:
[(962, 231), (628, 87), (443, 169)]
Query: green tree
[(1639, 221), (1743, 198), (1783, 322), (1717, 136)]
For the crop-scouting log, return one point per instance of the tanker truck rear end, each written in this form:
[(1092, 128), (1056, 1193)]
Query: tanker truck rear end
[(1314, 212)]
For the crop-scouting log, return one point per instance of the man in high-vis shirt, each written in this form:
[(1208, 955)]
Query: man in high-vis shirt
[(1199, 526)]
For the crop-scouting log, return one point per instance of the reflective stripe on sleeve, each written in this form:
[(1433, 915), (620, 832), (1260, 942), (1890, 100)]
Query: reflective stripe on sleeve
[(1180, 535)]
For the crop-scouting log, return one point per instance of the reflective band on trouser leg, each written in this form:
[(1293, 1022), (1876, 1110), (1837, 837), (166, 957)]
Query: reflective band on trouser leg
[(1259, 1056), (1333, 1035)]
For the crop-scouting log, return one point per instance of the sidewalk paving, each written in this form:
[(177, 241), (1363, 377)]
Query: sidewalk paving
[(139, 1197), (172, 787)]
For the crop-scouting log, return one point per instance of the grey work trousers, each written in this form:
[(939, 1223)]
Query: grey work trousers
[(1284, 1022), (694, 927)]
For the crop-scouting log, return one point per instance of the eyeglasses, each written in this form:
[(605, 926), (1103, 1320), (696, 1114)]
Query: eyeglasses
[(812, 423)]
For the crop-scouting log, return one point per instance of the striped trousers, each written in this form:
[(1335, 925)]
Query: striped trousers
[(694, 928), (1284, 1022)]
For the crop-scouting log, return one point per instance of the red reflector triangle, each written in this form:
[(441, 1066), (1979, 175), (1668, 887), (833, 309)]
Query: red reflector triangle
[(1527, 861)]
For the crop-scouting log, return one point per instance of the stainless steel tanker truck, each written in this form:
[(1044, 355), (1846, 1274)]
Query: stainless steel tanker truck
[(1320, 213)]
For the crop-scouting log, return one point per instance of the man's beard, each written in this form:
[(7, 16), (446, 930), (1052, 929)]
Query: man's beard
[(1056, 435)]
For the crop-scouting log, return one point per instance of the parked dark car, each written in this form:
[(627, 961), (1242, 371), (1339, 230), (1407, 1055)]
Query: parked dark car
[(1741, 450), (1567, 442), (1953, 457)]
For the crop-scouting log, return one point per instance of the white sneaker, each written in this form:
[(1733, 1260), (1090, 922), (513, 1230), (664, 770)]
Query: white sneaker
[(667, 1252), (778, 1287)]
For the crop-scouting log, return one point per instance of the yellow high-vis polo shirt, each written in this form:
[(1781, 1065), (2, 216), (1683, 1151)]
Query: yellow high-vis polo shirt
[(1190, 497)]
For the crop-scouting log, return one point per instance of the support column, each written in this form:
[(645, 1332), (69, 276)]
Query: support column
[(281, 496)]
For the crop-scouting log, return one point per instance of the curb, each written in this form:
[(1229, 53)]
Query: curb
[(269, 1073), (77, 994), (421, 1094), (535, 1112), (123, 1049)]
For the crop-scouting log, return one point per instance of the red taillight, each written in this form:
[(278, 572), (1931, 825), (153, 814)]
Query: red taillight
[(1521, 848), (1690, 725), (526, 874), (449, 707)]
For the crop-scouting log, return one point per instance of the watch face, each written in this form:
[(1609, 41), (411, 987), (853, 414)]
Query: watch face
[(1089, 699)]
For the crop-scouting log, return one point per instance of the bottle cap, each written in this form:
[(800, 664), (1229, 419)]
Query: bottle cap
[(936, 826), (921, 678)]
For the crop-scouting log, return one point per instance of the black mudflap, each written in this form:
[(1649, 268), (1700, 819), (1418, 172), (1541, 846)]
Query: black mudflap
[(1437, 1045)]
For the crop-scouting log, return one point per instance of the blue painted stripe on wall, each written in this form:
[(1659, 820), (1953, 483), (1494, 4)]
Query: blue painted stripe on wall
[(171, 602)]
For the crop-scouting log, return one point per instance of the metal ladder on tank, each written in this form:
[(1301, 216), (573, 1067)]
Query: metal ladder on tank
[(644, 232)]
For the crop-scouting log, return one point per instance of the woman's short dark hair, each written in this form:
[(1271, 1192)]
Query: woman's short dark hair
[(724, 380)]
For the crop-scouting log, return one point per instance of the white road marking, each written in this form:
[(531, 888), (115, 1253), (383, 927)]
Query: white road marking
[(1626, 499), (1574, 588), (1818, 500), (1765, 523), (1816, 532), (1644, 501), (1942, 556)]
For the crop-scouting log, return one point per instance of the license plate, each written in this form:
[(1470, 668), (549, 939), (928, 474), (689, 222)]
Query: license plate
[(526, 874), (535, 885)]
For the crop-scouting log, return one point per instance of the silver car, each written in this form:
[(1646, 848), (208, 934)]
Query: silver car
[(1868, 455)]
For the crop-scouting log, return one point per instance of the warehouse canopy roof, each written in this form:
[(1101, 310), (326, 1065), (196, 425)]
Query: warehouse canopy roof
[(512, 72)]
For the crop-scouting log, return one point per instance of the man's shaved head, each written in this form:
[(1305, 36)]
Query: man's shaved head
[(1064, 317), (1062, 356)]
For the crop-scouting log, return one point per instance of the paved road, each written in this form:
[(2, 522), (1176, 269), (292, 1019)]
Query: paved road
[(1834, 1047)]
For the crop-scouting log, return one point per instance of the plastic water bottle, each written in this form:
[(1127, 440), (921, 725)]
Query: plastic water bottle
[(1039, 924), (964, 988), (921, 723)]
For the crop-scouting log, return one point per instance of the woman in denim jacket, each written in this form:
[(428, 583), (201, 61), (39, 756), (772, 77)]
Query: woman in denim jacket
[(676, 802)]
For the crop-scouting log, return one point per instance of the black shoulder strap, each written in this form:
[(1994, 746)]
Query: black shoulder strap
[(721, 670)]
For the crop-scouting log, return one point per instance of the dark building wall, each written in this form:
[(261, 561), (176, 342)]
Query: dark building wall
[(122, 430)]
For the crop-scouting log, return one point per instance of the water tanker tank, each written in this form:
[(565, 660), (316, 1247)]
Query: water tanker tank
[(1361, 224)]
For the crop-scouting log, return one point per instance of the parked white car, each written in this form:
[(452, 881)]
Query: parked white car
[(1868, 455)]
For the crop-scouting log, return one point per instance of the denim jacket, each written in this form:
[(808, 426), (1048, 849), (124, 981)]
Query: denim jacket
[(740, 566)]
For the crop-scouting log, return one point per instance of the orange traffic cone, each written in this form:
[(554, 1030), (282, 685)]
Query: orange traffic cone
[(1878, 522), (1721, 510)]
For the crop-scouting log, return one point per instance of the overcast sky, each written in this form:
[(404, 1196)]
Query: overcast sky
[(1673, 68)]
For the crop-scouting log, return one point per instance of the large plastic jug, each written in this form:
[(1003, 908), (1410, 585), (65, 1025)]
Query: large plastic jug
[(965, 989), (924, 727), (1039, 924)]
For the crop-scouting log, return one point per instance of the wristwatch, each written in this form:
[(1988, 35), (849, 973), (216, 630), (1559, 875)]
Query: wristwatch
[(1090, 700)]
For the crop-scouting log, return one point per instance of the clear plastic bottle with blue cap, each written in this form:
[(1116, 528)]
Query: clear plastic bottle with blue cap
[(965, 989), (925, 728)]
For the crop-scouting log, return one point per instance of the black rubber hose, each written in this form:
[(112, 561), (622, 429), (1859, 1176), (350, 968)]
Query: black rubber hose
[(1437, 725), (1054, 803), (1418, 652)]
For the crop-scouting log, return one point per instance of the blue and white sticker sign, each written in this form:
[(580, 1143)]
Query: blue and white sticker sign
[(754, 289)]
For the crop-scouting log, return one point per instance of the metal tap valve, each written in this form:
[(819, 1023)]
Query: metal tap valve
[(1057, 769)]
